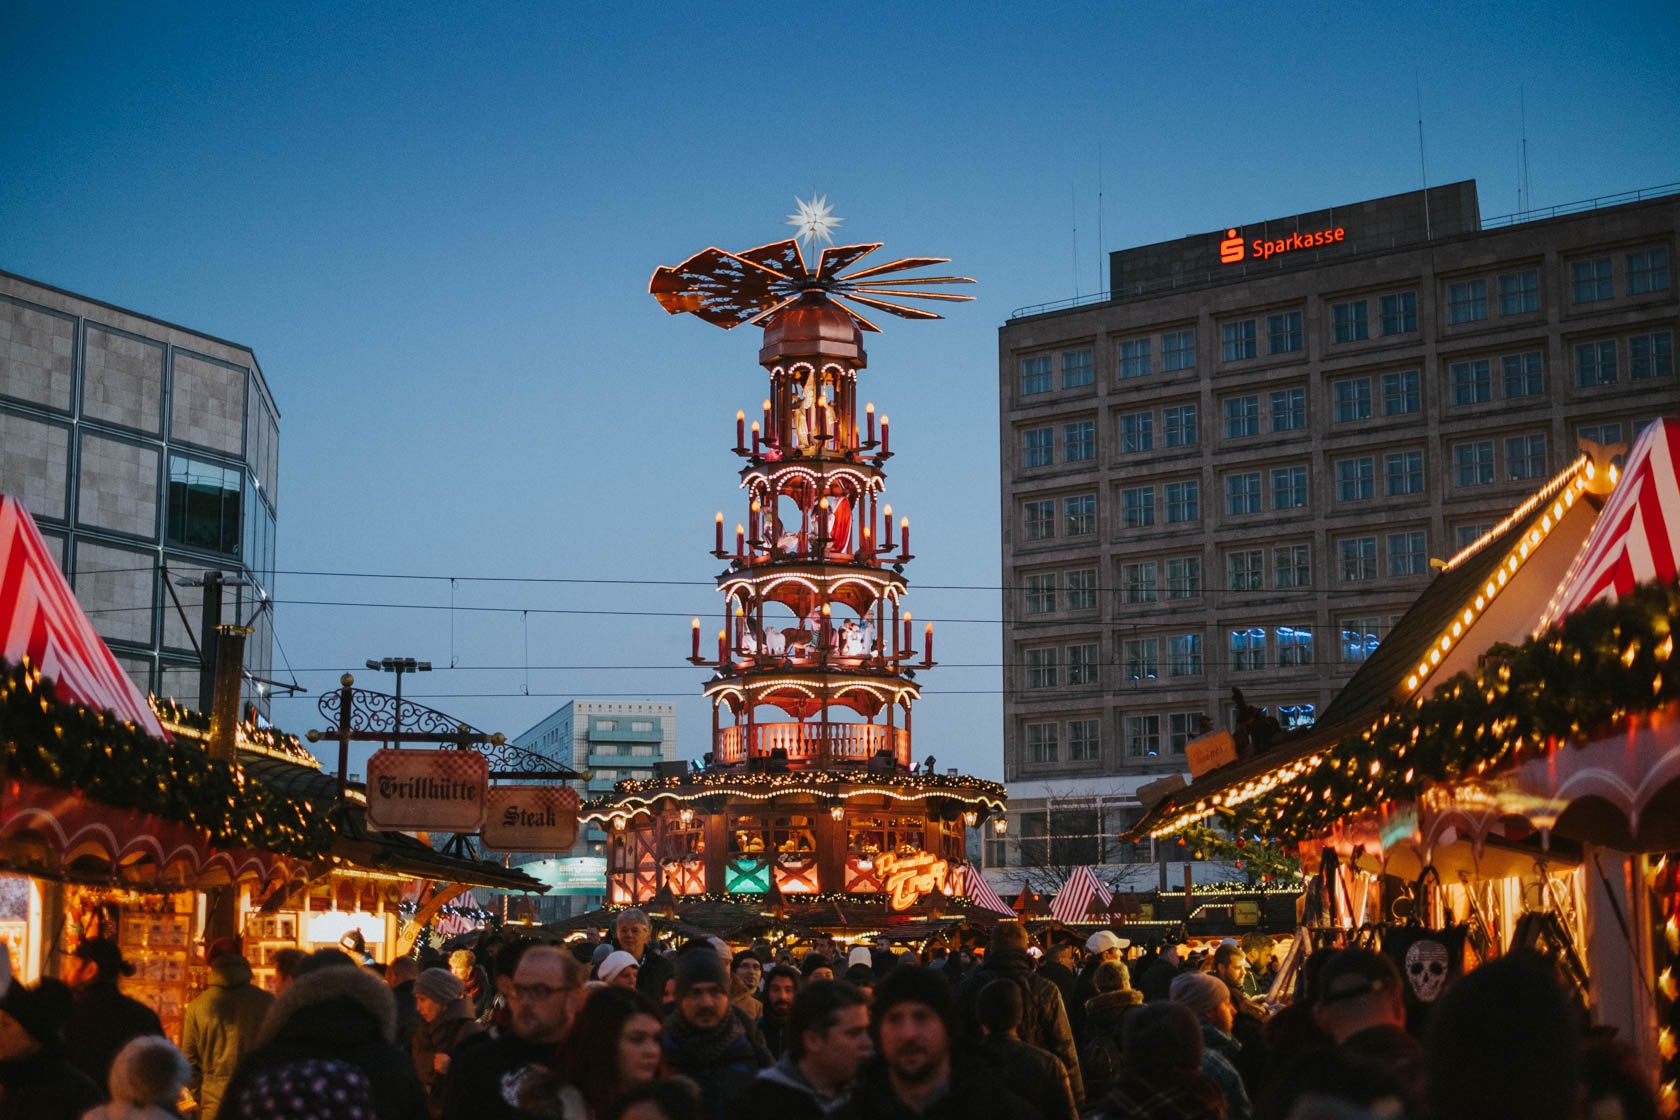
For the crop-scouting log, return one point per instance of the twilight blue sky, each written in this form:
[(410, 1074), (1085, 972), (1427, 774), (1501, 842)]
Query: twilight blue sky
[(434, 224)]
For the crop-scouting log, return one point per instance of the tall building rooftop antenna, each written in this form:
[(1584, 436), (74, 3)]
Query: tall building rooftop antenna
[(1423, 165)]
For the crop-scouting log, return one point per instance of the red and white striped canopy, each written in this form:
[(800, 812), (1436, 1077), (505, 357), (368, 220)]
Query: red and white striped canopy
[(1074, 899), (1637, 534), (41, 620), (981, 893)]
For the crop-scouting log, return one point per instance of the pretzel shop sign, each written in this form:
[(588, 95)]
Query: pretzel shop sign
[(434, 791), (531, 819)]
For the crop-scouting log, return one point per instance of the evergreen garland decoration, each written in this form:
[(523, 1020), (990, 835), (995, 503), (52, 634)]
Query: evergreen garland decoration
[(1259, 861)]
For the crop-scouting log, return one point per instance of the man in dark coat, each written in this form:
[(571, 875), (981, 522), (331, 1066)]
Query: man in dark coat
[(335, 1013), (1156, 980), (37, 1080), (221, 1026), (828, 1040), (1029, 1071), (484, 1081), (709, 1040), (102, 1019), (781, 986), (1044, 1023), (1230, 966), (1055, 966)]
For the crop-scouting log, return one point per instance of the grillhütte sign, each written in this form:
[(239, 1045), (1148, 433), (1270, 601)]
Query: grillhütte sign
[(433, 790)]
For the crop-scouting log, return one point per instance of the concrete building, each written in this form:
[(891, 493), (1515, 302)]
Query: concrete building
[(611, 741), (1236, 468), (146, 452)]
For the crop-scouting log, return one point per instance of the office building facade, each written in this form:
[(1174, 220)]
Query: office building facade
[(1236, 470), (147, 453)]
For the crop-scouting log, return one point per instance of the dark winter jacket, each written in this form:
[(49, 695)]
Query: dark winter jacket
[(45, 1086), (338, 1012), (1067, 984), (1155, 980), (1165, 1096), (772, 1029), (221, 1027), (485, 1076), (651, 976), (1044, 1021), (1219, 1062), (1099, 1057), (408, 1015), (1032, 1073), (443, 1035), (782, 1093), (973, 1093), (102, 1020), (722, 1061)]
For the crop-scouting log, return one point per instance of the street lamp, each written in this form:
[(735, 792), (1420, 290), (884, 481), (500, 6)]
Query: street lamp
[(399, 666)]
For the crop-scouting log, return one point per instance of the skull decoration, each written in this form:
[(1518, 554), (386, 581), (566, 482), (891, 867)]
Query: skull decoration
[(1426, 969)]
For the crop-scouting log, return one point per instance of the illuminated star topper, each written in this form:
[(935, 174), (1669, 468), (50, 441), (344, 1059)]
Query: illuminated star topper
[(814, 219), (728, 289)]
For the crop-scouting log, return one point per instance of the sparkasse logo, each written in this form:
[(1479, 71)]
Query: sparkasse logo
[(1231, 249)]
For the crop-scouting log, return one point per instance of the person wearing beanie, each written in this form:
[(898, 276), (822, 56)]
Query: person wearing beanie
[(815, 966), (708, 1039), (618, 969), (1099, 1056), (1045, 1020), (600, 953), (1210, 1001), (146, 1080), (37, 1080), (446, 1020), (221, 1026), (102, 1019)]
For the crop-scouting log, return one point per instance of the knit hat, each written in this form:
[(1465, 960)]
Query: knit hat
[(916, 985), (439, 985), (1104, 940), (699, 966), (1199, 992), (616, 962), (860, 954), (601, 952)]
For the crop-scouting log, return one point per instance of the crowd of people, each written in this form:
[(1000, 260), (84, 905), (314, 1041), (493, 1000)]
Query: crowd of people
[(618, 1028)]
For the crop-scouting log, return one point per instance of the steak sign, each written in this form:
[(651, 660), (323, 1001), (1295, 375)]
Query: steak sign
[(531, 819), (427, 790)]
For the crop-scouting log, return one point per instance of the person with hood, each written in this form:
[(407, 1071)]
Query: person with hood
[(1100, 1056), (333, 1026), (828, 1042), (1044, 1021), (221, 1025), (37, 1080), (146, 1079), (446, 1021), (102, 1019), (706, 1038)]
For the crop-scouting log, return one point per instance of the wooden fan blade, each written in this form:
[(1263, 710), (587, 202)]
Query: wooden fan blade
[(898, 266)]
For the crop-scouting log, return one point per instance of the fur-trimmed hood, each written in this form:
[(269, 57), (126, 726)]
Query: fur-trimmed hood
[(299, 1012)]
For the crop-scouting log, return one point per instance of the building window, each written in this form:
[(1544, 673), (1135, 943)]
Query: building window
[(1602, 434), (1137, 507), (1142, 659), (204, 506), (1283, 332), (1180, 425), (1399, 313), (1076, 368), (1349, 321), (1356, 479), (1178, 350), (1294, 646), (1041, 668), (1084, 742), (1137, 582), (1134, 358), (1651, 355), (1401, 393), (1182, 728), (1522, 374), (1184, 655), (606, 725), (1143, 736), (1037, 447), (1184, 577), (1595, 364), (1407, 554), (1081, 514), (1183, 502), (1035, 375), (1289, 410), (1359, 638), (1082, 662), (1137, 432), (1403, 473), (1238, 340), (1041, 520), (1244, 570), (1292, 566), (1467, 302), (1647, 271), (1242, 417), (1242, 493), (1353, 399), (1082, 589), (1041, 593), (1525, 458), (1079, 441), (1519, 292), (1589, 281), (1473, 463), (1248, 650), (1470, 534), (1358, 558), (1041, 742), (1472, 382), (1289, 488)]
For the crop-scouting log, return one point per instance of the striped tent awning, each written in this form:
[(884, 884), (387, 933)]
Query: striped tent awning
[(1074, 899), (982, 894), (1637, 535), (40, 620)]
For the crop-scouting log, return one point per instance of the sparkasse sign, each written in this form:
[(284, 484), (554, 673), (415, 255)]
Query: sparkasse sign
[(531, 819), (427, 790), (1234, 249)]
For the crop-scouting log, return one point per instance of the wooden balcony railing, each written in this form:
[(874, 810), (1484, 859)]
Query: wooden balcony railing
[(812, 743)]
